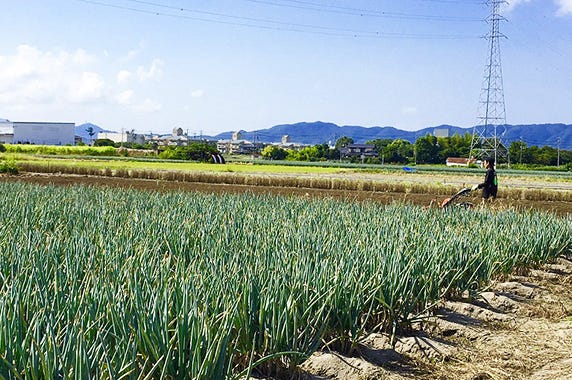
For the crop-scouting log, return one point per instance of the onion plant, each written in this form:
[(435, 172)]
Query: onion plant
[(108, 283)]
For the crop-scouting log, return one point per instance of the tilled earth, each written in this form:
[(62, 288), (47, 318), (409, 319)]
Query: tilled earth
[(521, 328), (425, 199)]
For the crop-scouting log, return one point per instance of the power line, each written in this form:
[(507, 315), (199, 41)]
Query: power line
[(312, 6), (477, 2), (279, 26), (252, 18), (179, 16)]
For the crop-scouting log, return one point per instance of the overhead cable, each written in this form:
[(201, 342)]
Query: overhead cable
[(273, 25)]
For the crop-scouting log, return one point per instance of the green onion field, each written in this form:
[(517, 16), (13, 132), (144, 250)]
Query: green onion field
[(124, 284)]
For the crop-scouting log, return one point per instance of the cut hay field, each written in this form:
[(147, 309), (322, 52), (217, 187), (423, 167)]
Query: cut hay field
[(521, 189)]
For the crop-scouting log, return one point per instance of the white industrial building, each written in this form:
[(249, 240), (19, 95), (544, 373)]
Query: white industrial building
[(44, 133), (123, 137)]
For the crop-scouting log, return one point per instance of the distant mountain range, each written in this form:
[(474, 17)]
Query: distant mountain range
[(320, 132), (82, 131)]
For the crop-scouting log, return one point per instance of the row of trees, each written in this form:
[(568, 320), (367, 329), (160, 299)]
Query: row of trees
[(196, 151), (426, 150)]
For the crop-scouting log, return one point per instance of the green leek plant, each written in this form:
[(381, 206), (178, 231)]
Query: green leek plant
[(108, 283)]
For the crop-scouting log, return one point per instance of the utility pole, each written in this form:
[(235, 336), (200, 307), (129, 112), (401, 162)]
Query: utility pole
[(558, 159), (521, 147), (486, 140)]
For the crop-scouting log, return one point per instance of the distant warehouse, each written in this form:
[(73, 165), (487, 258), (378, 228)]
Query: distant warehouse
[(18, 132)]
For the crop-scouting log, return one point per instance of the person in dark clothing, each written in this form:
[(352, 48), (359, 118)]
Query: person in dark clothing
[(490, 186)]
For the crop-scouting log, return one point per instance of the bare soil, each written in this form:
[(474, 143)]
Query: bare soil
[(521, 328), (425, 199)]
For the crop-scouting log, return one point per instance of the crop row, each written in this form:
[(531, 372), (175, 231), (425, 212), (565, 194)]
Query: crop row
[(310, 181), (107, 283)]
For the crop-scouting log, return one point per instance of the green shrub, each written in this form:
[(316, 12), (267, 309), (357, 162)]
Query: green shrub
[(8, 166)]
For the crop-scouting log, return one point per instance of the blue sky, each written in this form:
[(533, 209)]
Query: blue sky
[(221, 65)]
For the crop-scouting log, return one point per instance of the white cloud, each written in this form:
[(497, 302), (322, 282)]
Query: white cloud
[(408, 110), (132, 54), (197, 94), (86, 87), (81, 57), (31, 77), (128, 98), (564, 7), (154, 72), (123, 76), (125, 97), (147, 106), (511, 4)]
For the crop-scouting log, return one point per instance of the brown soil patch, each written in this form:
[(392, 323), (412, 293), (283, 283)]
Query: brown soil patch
[(519, 329), (557, 207)]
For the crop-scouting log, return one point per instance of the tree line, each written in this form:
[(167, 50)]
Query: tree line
[(428, 149)]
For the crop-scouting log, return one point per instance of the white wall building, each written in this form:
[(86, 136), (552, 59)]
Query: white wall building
[(124, 137), (18, 132), (441, 132), (6, 133)]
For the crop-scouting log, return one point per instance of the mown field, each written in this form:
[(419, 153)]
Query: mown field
[(112, 283)]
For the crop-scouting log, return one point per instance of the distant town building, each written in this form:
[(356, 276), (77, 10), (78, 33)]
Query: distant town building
[(239, 147), (460, 161), (285, 139), (237, 135), (359, 150), (441, 132), (123, 137), (6, 134), (39, 133)]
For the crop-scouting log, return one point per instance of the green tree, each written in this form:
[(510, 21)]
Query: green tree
[(519, 153), (380, 144), (90, 131), (455, 146), (343, 142), (427, 150), (381, 147), (309, 153), (399, 151), (273, 152), (327, 153), (103, 142), (195, 151)]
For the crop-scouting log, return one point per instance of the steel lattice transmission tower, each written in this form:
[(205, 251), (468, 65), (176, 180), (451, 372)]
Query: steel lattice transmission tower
[(486, 140)]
